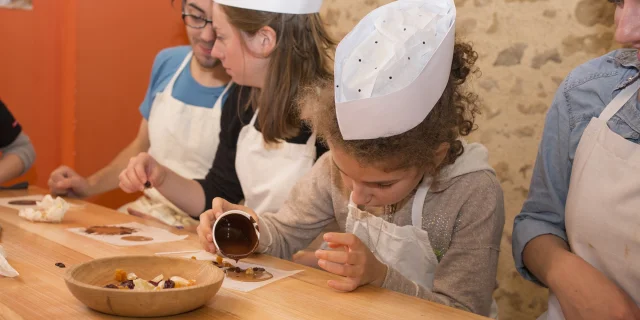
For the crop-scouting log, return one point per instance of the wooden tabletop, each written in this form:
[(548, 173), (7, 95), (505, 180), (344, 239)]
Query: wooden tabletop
[(40, 292)]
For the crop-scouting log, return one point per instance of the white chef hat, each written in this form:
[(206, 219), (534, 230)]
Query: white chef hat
[(393, 67), (278, 6)]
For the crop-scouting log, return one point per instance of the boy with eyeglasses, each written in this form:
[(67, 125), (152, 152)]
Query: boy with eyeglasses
[(180, 121)]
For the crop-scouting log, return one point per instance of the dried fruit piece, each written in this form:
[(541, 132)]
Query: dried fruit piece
[(155, 284), (249, 272), (120, 275), (193, 258), (169, 284), (60, 265), (111, 286), (227, 265), (128, 284), (219, 259)]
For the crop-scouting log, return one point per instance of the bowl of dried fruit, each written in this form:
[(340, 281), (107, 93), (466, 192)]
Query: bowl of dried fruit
[(144, 286)]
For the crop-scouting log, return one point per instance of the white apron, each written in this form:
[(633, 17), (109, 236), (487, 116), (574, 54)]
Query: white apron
[(184, 138), (408, 248), (268, 173), (601, 214)]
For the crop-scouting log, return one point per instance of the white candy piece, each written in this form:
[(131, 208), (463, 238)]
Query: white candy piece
[(158, 278), (160, 286), (142, 285), (180, 281), (47, 210), (132, 276)]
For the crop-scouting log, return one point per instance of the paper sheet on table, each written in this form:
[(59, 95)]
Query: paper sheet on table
[(5, 268), (158, 235), (36, 197), (234, 284)]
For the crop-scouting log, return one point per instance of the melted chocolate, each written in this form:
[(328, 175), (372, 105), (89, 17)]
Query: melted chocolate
[(23, 202), (109, 230), (136, 238), (239, 274)]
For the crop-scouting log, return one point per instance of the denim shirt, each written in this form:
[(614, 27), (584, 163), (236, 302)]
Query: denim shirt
[(582, 95)]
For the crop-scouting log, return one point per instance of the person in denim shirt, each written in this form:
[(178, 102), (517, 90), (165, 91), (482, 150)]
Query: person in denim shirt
[(575, 233)]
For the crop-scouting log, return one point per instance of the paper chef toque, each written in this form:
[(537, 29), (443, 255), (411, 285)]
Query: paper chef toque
[(279, 6), (392, 68)]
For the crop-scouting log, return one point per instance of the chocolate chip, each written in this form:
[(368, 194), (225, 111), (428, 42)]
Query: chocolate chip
[(147, 184), (60, 265)]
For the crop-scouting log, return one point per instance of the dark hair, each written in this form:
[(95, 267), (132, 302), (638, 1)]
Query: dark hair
[(183, 2), (452, 116), (303, 55)]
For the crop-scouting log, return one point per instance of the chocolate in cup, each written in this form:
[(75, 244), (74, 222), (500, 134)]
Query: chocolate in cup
[(236, 235)]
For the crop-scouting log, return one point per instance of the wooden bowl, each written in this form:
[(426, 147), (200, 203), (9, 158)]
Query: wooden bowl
[(86, 282)]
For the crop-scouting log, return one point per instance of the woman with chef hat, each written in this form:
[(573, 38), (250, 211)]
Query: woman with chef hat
[(272, 48), (420, 211), (578, 232)]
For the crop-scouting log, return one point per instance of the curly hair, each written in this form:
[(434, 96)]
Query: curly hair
[(453, 116)]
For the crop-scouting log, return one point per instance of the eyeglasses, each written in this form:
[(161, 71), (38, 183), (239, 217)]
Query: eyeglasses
[(194, 21)]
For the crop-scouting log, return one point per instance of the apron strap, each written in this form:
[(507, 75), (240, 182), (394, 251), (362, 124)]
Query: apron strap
[(616, 104), (224, 92), (312, 140), (187, 59), (253, 119), (418, 202)]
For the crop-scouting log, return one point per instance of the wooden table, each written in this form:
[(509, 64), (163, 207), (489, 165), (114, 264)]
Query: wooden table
[(40, 292)]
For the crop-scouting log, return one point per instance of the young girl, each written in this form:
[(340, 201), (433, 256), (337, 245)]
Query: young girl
[(421, 211), (272, 48)]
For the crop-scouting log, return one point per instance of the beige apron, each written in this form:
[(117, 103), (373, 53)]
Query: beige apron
[(603, 203), (267, 174), (184, 138)]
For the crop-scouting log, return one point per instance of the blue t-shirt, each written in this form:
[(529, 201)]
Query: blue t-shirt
[(186, 88)]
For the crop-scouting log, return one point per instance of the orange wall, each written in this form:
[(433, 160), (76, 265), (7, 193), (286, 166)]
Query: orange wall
[(30, 64), (85, 64)]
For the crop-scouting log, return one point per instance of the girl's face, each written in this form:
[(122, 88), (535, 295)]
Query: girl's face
[(627, 20), (241, 55), (371, 186)]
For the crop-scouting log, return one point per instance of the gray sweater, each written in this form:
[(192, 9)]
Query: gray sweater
[(464, 217), (23, 148)]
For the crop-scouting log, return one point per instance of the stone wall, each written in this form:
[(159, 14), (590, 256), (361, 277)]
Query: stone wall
[(526, 48)]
